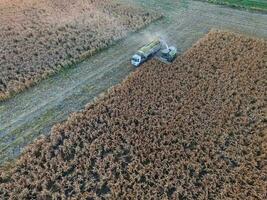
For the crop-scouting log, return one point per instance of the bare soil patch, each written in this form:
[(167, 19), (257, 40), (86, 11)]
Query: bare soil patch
[(39, 38), (194, 129)]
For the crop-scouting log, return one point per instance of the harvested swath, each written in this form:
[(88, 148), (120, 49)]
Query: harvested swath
[(39, 38), (194, 129)]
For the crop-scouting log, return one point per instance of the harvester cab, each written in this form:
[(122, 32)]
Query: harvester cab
[(169, 54)]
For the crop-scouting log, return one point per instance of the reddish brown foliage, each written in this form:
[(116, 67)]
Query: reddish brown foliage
[(194, 129), (40, 37)]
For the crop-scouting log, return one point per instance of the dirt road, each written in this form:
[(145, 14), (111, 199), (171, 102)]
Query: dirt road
[(33, 112)]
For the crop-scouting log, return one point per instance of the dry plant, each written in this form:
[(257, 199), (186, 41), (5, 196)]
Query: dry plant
[(39, 38), (195, 129)]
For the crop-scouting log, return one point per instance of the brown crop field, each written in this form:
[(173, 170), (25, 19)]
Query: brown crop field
[(40, 37), (195, 129)]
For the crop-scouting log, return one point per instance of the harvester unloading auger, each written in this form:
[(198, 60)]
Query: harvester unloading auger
[(157, 48)]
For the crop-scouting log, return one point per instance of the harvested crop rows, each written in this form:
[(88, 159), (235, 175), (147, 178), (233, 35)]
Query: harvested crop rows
[(39, 38), (194, 129)]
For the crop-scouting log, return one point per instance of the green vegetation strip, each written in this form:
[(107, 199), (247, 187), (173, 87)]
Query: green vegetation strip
[(260, 5)]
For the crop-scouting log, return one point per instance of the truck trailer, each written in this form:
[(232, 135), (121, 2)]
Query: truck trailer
[(156, 47)]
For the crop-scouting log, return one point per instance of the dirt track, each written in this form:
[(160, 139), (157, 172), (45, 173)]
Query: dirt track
[(33, 112)]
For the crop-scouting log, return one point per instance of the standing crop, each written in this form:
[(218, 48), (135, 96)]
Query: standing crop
[(194, 129), (40, 38)]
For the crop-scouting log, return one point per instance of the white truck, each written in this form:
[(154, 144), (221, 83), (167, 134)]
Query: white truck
[(156, 47)]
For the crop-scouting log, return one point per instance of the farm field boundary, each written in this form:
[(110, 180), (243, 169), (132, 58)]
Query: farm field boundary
[(253, 5)]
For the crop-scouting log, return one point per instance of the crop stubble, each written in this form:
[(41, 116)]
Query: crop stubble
[(194, 129), (39, 38)]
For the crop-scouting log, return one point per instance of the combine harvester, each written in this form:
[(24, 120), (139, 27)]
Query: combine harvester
[(157, 48)]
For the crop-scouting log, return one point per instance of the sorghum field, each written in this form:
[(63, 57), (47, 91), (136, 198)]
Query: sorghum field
[(195, 129), (40, 37)]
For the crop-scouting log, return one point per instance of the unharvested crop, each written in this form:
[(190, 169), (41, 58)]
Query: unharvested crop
[(195, 129), (39, 38)]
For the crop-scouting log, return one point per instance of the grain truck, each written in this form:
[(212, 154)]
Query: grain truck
[(156, 47)]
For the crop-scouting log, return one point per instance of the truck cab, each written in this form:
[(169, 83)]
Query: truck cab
[(139, 58), (136, 60)]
